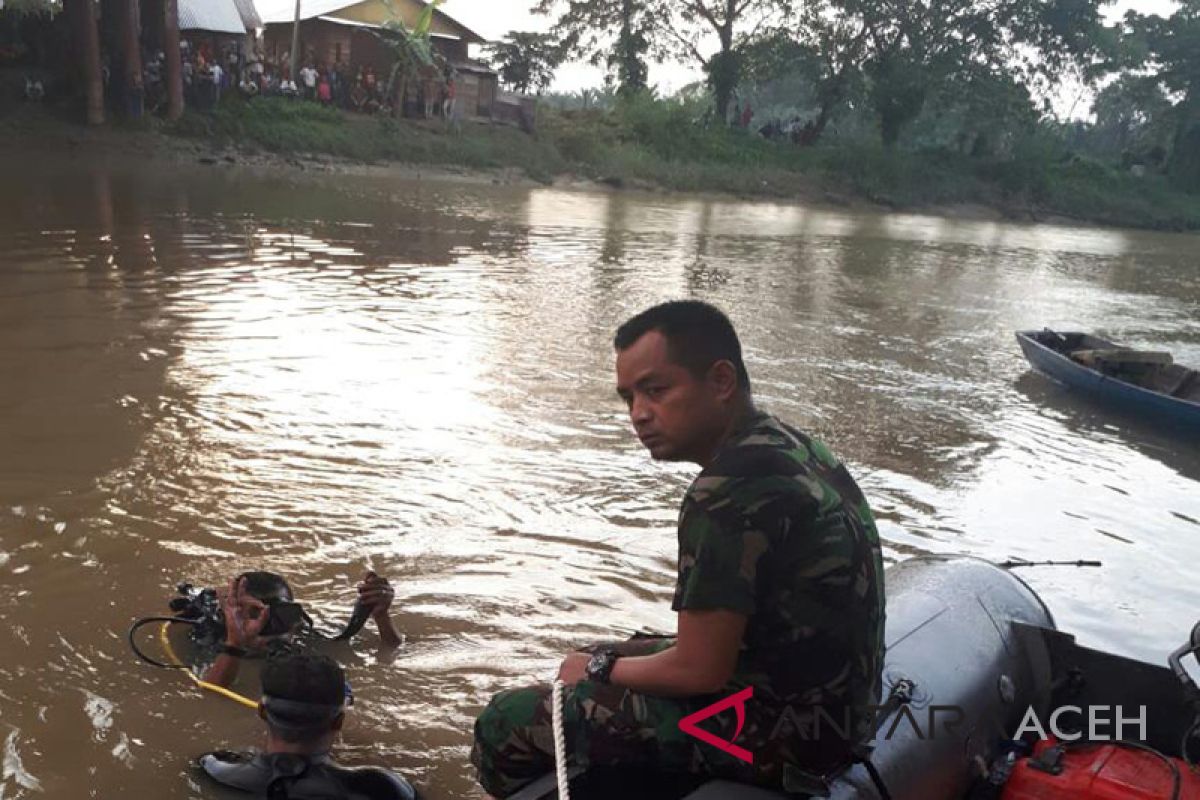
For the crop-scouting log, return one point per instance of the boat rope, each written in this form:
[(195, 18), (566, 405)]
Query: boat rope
[(560, 741)]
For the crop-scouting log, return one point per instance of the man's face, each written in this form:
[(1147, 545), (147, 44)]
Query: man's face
[(675, 414)]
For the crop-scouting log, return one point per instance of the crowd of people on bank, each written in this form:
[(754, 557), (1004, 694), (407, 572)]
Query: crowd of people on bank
[(210, 73)]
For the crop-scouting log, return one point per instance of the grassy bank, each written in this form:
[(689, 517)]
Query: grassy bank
[(660, 144)]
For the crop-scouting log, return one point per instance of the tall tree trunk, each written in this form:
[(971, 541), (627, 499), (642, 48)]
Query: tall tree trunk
[(1183, 169), (724, 73), (87, 45), (631, 70), (174, 67), (890, 125), (131, 60)]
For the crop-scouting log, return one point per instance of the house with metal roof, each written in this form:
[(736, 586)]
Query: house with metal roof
[(342, 32), (233, 17)]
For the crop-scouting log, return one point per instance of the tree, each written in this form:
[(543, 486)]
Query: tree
[(1134, 115), (131, 31), (910, 50), (412, 49), (87, 46), (1169, 49), (822, 48), (585, 31), (680, 27), (526, 61)]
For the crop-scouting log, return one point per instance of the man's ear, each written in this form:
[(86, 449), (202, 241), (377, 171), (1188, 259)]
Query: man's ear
[(338, 722), (724, 379)]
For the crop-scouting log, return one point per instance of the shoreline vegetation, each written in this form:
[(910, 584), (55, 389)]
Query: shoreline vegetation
[(651, 145)]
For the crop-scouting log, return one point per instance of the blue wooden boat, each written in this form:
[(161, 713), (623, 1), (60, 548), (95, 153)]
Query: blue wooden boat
[(1144, 382)]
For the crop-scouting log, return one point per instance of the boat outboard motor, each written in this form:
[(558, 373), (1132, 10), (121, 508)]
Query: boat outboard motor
[(1191, 692), (964, 673)]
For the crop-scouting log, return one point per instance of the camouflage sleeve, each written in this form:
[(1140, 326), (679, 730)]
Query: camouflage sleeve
[(723, 535)]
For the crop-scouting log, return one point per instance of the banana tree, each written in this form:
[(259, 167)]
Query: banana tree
[(412, 49)]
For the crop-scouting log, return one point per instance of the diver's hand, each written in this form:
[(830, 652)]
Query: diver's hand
[(377, 593), (245, 616)]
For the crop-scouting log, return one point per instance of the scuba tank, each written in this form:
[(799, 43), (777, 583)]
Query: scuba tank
[(288, 776)]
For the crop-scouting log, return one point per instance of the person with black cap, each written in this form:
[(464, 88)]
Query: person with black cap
[(303, 704)]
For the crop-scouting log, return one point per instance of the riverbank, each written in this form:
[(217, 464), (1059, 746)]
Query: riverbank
[(649, 150)]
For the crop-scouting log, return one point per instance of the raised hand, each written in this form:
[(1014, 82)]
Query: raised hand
[(245, 616), (375, 592)]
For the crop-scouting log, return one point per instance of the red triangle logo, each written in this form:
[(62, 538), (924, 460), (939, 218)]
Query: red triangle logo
[(738, 702)]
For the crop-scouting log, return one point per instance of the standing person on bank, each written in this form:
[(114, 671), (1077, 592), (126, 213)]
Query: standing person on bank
[(780, 589)]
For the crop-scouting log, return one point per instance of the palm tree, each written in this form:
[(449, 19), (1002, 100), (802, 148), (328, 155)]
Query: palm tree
[(412, 48)]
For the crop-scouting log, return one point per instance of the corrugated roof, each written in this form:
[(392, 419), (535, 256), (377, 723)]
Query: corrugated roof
[(355, 24), (285, 10), (218, 16), (273, 11), (249, 13)]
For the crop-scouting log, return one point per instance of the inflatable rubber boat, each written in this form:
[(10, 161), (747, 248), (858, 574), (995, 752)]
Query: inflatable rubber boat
[(963, 633)]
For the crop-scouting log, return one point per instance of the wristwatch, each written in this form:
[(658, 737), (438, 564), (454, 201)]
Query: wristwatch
[(599, 668)]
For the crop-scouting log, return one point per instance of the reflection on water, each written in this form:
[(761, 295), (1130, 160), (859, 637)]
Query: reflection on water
[(206, 372)]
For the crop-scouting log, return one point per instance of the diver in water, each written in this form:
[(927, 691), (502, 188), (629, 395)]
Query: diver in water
[(259, 610), (303, 706)]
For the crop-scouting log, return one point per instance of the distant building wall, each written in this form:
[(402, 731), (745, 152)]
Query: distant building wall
[(327, 43)]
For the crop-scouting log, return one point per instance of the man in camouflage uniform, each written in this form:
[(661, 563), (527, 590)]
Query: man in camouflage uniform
[(780, 589)]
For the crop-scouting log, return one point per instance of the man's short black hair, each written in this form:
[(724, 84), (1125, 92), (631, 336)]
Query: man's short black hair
[(312, 688), (267, 587), (698, 335)]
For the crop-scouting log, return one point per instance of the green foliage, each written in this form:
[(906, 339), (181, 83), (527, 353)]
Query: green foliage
[(33, 6), (906, 52), (665, 143), (1169, 49), (615, 34), (526, 61), (1134, 115), (412, 49)]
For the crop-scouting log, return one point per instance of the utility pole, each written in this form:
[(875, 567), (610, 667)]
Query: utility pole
[(295, 66)]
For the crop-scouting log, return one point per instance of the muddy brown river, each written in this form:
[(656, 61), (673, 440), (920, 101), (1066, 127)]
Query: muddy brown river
[(204, 371)]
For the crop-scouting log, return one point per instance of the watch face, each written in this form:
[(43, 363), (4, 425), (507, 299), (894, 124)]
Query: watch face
[(600, 665), (596, 664)]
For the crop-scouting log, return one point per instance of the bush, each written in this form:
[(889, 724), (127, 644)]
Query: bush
[(671, 143)]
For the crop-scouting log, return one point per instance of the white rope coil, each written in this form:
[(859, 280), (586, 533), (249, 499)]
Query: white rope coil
[(560, 741)]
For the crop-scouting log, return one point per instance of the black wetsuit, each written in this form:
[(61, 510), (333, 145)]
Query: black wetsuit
[(284, 776)]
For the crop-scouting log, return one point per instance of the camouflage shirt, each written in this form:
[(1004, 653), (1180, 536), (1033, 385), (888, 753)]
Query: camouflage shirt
[(776, 529)]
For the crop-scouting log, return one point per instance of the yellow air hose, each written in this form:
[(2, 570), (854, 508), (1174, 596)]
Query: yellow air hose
[(212, 687)]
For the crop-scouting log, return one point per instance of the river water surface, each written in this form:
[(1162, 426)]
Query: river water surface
[(203, 372)]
